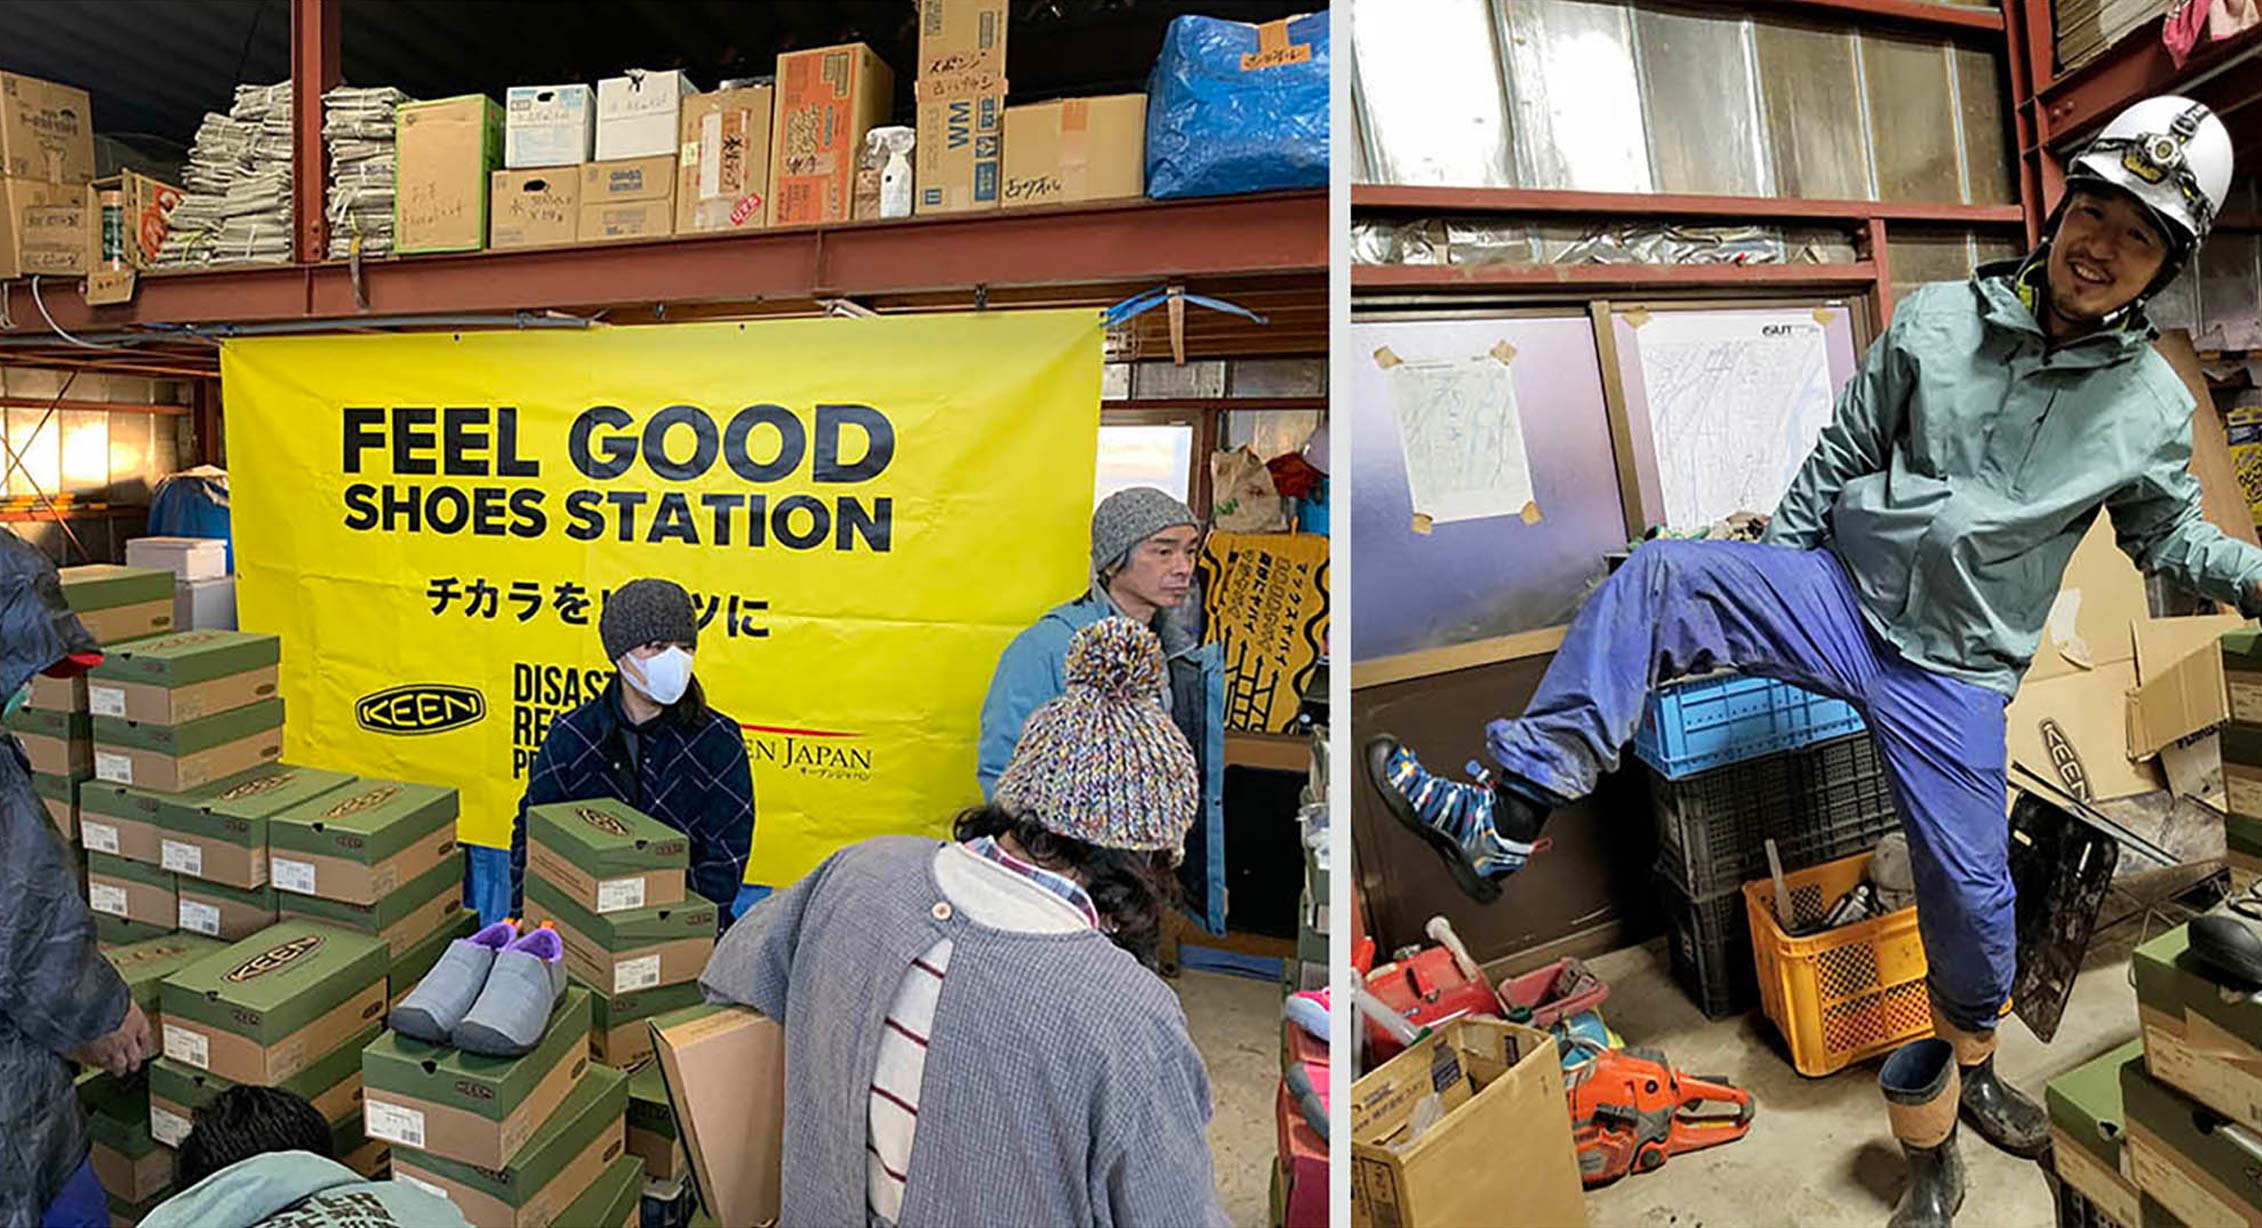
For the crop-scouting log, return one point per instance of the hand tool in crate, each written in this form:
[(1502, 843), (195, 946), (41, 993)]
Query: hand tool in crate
[(1427, 987), (1631, 1111)]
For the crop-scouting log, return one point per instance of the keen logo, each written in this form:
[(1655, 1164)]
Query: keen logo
[(603, 822), (419, 709), (476, 1091), (363, 801), (253, 788), (2065, 759), (274, 958)]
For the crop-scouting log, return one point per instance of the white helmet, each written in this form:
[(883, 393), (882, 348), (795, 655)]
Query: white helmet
[(2173, 155)]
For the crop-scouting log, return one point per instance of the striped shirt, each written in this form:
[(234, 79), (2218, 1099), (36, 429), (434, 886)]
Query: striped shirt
[(993, 888)]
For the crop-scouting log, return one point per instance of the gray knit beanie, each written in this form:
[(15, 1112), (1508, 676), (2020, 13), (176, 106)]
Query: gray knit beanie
[(1128, 517), (644, 612)]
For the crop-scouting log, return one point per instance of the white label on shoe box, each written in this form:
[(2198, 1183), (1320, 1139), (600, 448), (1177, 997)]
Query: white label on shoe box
[(634, 974), (182, 1045), (393, 1123), (106, 700), (167, 1127), (291, 875), (103, 897), (181, 858), (425, 1186), (113, 768), (98, 837), (200, 917), (620, 894)]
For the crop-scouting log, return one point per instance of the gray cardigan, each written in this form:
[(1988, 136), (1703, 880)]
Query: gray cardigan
[(1061, 1086)]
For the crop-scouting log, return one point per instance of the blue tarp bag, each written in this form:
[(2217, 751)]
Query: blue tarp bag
[(193, 504), (1231, 111)]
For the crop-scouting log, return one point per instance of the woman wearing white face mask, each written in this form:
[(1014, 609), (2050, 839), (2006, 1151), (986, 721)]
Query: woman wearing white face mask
[(651, 742)]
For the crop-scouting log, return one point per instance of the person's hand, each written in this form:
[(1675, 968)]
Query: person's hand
[(123, 1051)]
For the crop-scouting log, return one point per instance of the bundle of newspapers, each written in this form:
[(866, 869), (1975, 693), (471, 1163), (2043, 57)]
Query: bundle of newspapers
[(357, 127), (236, 207)]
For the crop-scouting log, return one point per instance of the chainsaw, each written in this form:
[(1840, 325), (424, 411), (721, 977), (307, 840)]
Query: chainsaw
[(1630, 1112)]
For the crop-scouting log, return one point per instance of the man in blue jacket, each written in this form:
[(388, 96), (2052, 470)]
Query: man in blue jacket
[(1144, 547), (1909, 570)]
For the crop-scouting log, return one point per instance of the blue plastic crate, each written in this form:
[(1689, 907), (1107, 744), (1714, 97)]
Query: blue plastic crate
[(1697, 725)]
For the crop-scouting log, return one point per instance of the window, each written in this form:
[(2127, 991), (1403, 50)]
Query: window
[(1159, 455)]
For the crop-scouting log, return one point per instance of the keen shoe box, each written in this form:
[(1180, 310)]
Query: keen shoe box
[(332, 1084), (218, 831), (473, 1109), (567, 1154), (175, 758), (134, 890), (410, 966), (116, 604), (128, 1160), (404, 918), (624, 952), (60, 796), (2242, 849), (652, 1135), (2242, 674), (120, 820), (616, 1200), (177, 678), (371, 1157), (2197, 1039), (607, 857), (111, 933), (618, 1036), (2242, 770), (2088, 1135), (145, 965), (55, 743), (125, 1214), (2181, 1161), (268, 1007), (49, 694), (230, 914), (359, 845)]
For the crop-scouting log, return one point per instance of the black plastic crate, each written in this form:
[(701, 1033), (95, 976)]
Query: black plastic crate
[(1818, 804), (1711, 950)]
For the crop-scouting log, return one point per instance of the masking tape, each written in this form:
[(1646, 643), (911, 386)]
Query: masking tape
[(1385, 359), (1530, 514), (1505, 352), (1823, 316), (1637, 317), (1423, 524)]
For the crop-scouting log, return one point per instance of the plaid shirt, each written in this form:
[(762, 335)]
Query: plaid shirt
[(694, 780)]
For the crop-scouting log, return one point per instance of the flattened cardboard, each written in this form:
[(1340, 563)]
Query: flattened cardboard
[(217, 910), (2072, 731), (130, 889), (360, 845), (2180, 688), (480, 1110), (606, 856), (627, 951), (566, 1155), (404, 918), (218, 831), (1076, 149), (535, 208), (2100, 597), (723, 173), (724, 1072), (265, 1008)]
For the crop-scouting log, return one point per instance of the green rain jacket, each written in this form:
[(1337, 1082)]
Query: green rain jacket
[(1967, 458)]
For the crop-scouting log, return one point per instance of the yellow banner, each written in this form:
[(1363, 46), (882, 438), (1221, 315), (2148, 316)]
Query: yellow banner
[(864, 511)]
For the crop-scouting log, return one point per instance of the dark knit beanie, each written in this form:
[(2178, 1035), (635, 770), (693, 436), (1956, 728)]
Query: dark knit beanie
[(647, 612)]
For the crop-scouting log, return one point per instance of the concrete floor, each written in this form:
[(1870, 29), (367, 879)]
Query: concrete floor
[(1819, 1152), (1236, 1025)]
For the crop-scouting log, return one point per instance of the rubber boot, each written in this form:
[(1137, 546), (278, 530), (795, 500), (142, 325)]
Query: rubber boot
[(1921, 1092), (1994, 1108)]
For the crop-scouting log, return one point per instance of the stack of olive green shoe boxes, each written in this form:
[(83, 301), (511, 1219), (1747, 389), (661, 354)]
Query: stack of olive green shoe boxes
[(2242, 756), (135, 1169)]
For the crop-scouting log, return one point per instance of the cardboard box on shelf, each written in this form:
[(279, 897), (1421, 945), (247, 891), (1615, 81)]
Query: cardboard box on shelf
[(59, 239), (217, 910), (146, 210), (2197, 1174), (173, 679), (218, 831), (614, 1200), (55, 743), (22, 246), (607, 856), (143, 966), (402, 918), (445, 151), (628, 181), (650, 219), (60, 796), (827, 99), (960, 152), (961, 36), (266, 1008), (1502, 1089), (175, 758), (724, 1072), (723, 171), (205, 605), (49, 694), (188, 558), (568, 1152), (127, 1159), (2195, 1040), (627, 951), (46, 131), (637, 113), (117, 604), (331, 1083), (652, 1135), (549, 126), (111, 933), (2086, 1128), (618, 1034), (478, 1110), (360, 845), (536, 208), (130, 889), (1076, 149), (410, 966)]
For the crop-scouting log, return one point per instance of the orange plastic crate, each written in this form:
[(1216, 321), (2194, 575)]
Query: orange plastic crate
[(1845, 994)]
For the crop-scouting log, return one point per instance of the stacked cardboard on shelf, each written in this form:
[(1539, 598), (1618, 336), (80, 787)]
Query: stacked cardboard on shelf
[(638, 114), (145, 216), (49, 223), (204, 593), (631, 198), (548, 126), (723, 167), (827, 99), (961, 87), (535, 208), (1075, 150), (611, 880), (447, 150)]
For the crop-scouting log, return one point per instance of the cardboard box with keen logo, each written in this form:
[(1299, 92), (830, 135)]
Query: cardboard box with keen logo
[(622, 952), (607, 857), (270, 1006), (403, 919), (117, 604), (2088, 1137), (569, 1151), (332, 1085), (473, 1109), (619, 1036), (55, 743), (217, 910), (111, 933), (359, 845), (134, 890), (218, 831), (177, 678), (145, 965), (60, 796), (174, 758), (616, 1200), (410, 966), (2198, 1039)]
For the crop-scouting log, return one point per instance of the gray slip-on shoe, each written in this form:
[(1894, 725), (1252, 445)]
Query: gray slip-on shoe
[(439, 1002), (513, 1011)]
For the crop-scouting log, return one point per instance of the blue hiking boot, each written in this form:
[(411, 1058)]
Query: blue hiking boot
[(1472, 825)]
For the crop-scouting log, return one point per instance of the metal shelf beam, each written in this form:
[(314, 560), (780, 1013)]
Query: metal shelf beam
[(1749, 208), (1478, 277)]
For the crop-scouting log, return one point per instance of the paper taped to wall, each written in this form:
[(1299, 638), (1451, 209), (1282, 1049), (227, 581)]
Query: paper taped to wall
[(1735, 404), (1463, 438)]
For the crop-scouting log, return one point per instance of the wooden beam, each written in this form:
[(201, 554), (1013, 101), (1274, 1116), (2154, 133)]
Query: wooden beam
[(1275, 752), (1434, 661)]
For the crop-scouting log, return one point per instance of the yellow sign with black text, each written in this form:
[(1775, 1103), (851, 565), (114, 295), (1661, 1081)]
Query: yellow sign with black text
[(864, 512)]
